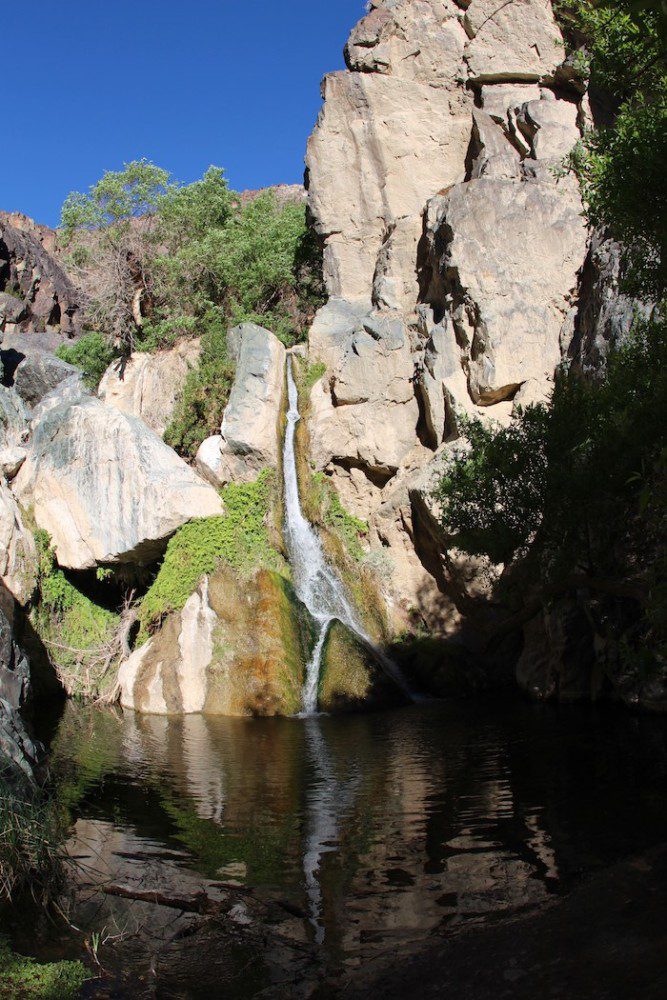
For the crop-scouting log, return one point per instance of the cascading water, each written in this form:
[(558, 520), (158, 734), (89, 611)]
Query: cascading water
[(315, 582)]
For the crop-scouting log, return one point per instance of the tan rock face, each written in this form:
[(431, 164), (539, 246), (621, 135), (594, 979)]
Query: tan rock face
[(238, 647), (509, 254), (149, 385), (18, 555), (512, 41), (248, 441), (105, 487)]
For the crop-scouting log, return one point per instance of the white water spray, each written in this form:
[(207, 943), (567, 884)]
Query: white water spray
[(315, 582)]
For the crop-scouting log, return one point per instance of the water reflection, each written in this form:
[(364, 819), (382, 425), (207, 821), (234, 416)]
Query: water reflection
[(378, 828)]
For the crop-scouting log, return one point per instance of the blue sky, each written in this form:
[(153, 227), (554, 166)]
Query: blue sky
[(90, 84)]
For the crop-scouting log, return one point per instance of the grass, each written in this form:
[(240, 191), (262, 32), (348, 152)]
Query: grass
[(30, 980), (239, 538), (31, 830)]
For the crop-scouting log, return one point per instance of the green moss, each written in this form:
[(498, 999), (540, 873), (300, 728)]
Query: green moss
[(239, 538), (24, 977), (77, 632), (352, 677), (349, 529)]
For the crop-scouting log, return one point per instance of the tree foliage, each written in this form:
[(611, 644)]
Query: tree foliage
[(618, 165)]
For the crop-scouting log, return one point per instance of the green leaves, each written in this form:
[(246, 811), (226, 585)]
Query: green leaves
[(119, 196)]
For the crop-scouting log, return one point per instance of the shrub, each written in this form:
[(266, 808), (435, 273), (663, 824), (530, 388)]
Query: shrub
[(92, 354), (239, 538)]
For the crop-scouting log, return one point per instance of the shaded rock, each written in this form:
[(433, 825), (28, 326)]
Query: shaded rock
[(332, 327), (549, 126), (353, 676), (512, 41), (20, 756), (149, 385), (558, 658), (238, 647), (14, 665), (39, 373), (18, 555), (30, 272), (505, 258), (493, 155), (249, 437), (104, 486), (14, 419), (443, 384)]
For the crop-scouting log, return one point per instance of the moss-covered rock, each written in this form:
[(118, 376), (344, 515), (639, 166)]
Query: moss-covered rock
[(353, 676), (238, 647)]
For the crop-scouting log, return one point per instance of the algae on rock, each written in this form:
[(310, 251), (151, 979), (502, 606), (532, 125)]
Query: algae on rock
[(353, 677)]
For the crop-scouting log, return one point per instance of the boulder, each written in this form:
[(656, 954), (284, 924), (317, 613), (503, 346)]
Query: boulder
[(382, 146), (365, 415), (14, 665), (39, 373), (18, 555), (103, 485), (21, 758), (353, 676), (32, 274), (506, 257), (148, 386), (249, 437), (238, 647), (512, 41)]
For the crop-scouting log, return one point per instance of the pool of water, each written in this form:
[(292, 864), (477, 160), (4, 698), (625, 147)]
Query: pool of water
[(372, 830)]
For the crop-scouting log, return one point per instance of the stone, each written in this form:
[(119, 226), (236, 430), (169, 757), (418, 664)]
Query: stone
[(249, 432), (21, 758), (512, 41), (353, 676), (14, 419), (532, 393), (104, 486), (382, 146), (14, 666), (494, 156), (332, 327), (366, 414), (30, 271), (18, 555), (213, 657), (38, 373), (12, 309), (148, 386), (209, 460), (558, 657), (505, 262), (549, 126), (444, 386)]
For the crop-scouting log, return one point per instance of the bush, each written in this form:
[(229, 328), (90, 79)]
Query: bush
[(31, 831), (239, 538), (92, 354), (80, 636)]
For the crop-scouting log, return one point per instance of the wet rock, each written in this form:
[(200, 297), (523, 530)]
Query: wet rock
[(20, 756), (238, 647), (14, 665), (103, 485), (353, 676), (148, 386), (18, 555)]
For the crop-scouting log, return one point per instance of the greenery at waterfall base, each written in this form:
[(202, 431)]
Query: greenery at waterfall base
[(239, 538), (31, 980), (157, 261)]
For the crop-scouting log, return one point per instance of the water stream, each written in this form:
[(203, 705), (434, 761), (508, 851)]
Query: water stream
[(315, 581)]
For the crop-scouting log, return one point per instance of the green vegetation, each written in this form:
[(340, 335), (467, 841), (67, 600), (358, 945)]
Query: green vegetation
[(349, 529), (81, 637), (31, 831), (91, 353), (625, 45), (239, 538), (199, 411), (26, 978), (576, 491)]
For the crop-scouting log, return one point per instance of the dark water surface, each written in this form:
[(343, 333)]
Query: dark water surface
[(375, 829)]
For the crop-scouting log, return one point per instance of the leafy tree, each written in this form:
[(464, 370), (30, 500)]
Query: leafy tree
[(119, 196)]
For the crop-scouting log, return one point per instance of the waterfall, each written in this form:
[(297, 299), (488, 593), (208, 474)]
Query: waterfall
[(316, 584)]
